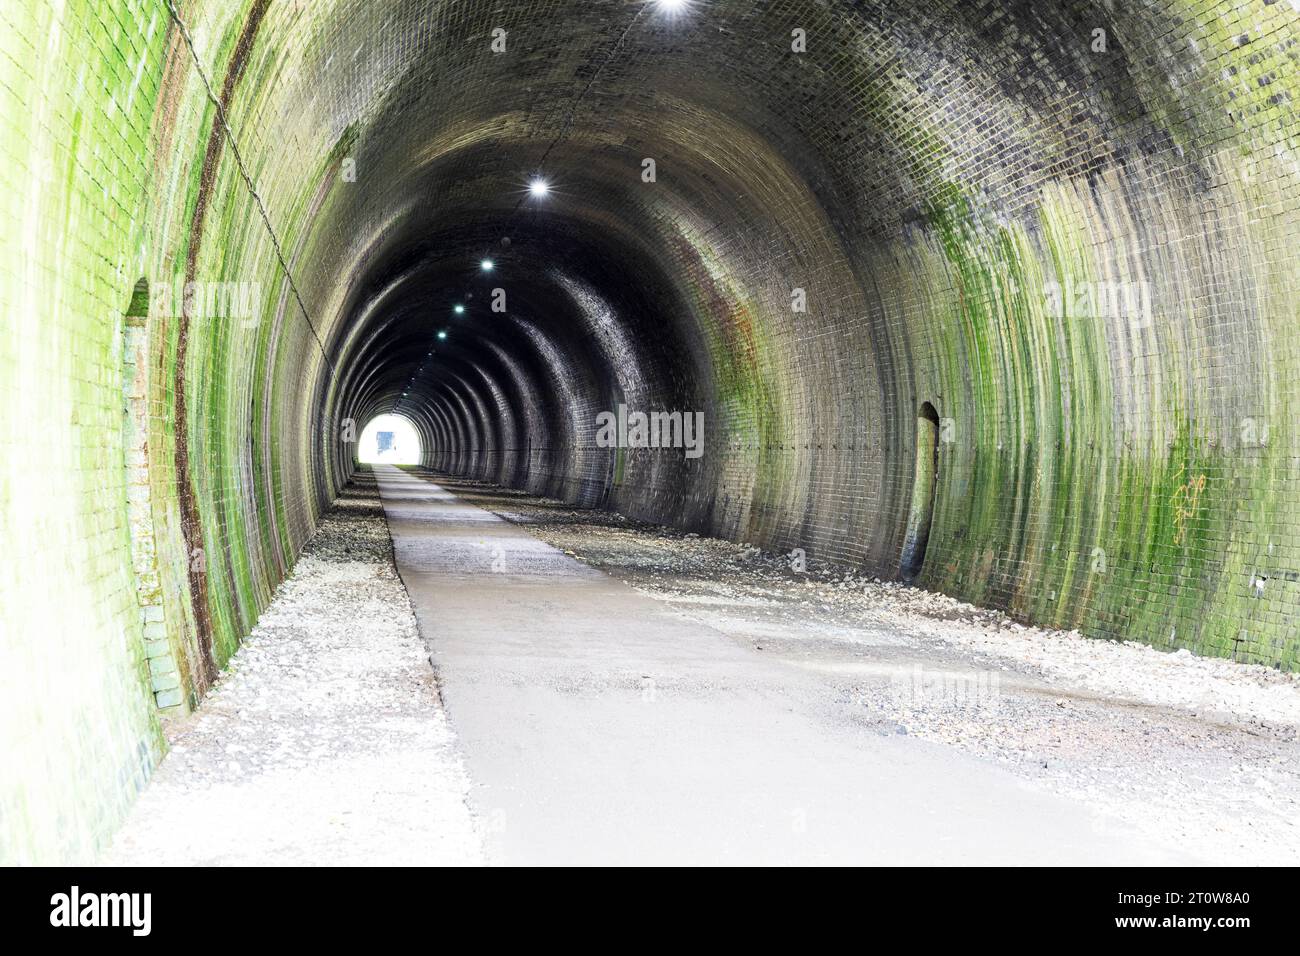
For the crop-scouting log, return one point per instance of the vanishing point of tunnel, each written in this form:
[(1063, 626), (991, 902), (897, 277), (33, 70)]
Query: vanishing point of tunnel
[(808, 405)]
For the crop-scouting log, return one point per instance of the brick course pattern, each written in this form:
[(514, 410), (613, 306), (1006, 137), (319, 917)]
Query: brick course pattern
[(1069, 227)]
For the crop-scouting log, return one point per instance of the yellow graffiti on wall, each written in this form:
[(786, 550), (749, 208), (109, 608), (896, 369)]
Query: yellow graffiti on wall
[(1186, 500)]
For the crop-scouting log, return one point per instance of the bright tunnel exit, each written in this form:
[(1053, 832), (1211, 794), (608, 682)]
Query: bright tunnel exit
[(391, 440)]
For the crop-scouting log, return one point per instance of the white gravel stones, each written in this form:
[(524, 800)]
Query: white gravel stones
[(1201, 753), (325, 741), (687, 569)]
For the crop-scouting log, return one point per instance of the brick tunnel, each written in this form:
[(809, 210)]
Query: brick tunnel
[(987, 304)]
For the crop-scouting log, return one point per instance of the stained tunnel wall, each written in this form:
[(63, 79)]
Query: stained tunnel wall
[(946, 182)]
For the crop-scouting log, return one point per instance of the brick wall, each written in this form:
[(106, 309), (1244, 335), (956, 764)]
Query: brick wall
[(1071, 243), (941, 180)]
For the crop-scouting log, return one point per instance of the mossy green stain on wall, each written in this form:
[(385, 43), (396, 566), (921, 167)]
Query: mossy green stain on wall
[(1055, 508), (1097, 477), (79, 733)]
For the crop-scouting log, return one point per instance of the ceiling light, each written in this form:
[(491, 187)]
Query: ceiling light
[(539, 187), (487, 265), (459, 309), (442, 335), (672, 6)]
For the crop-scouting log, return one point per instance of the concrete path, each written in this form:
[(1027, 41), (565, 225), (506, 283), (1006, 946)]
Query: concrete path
[(599, 727)]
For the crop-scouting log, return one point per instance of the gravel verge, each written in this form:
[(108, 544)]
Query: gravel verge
[(1200, 752), (325, 741)]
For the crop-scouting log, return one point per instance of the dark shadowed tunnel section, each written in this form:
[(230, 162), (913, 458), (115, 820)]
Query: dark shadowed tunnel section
[(1017, 218), (996, 297)]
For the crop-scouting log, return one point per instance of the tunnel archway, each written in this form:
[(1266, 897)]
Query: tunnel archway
[(956, 199), (390, 439), (924, 487)]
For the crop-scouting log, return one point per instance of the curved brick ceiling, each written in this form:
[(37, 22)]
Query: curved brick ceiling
[(925, 173), (953, 185)]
